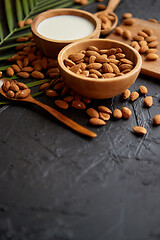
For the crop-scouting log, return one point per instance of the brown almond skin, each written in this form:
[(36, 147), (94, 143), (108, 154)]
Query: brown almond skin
[(22, 85), (44, 86), (148, 31), (134, 96), (6, 86), (148, 101), (127, 34), (78, 104), (143, 90), (10, 72), (118, 31), (117, 113), (61, 104), (27, 69), (24, 93), (104, 109), (23, 74), (76, 57), (126, 94), (127, 15), (10, 94), (68, 99), (37, 75), (126, 112), (14, 87), (140, 130), (51, 93), (21, 23), (92, 113), (152, 56), (16, 68), (96, 122), (156, 119), (94, 66)]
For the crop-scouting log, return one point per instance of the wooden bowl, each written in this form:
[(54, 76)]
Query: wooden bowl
[(52, 47), (103, 87)]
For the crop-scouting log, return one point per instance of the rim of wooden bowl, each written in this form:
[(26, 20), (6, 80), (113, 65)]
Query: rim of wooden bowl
[(65, 11), (90, 43)]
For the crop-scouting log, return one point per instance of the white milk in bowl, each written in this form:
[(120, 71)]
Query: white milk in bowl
[(65, 27)]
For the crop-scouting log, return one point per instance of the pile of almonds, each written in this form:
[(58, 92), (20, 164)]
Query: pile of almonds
[(30, 62), (14, 89), (145, 42), (99, 63)]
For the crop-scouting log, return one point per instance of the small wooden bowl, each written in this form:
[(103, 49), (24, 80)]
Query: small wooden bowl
[(103, 87), (52, 47)]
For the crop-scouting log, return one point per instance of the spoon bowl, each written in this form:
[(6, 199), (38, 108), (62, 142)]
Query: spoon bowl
[(70, 123), (112, 4)]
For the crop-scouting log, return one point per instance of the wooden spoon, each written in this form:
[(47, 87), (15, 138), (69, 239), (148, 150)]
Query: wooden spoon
[(112, 4), (75, 126)]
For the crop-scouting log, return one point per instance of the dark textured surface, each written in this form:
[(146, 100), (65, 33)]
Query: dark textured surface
[(56, 184)]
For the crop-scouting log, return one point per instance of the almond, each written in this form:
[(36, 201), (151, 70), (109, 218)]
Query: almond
[(16, 68), (6, 86), (151, 38), (104, 109), (86, 100), (21, 23), (92, 53), (140, 130), (44, 63), (20, 64), (14, 87), (92, 75), (51, 93), (143, 90), (134, 96), (153, 44), (24, 93), (107, 68), (92, 113), (143, 34), (126, 112), (61, 104), (68, 99), (37, 67), (92, 48), (95, 72), (76, 56), (27, 69), (117, 113), (151, 57), (25, 62), (148, 101), (28, 21), (10, 72), (127, 61), (94, 66), (10, 94), (21, 85), (44, 86), (128, 21), (127, 15), (37, 75), (75, 68), (118, 31), (148, 31), (156, 119), (78, 104), (126, 94), (138, 38), (125, 66), (104, 116), (96, 122), (23, 74), (22, 39), (151, 50), (108, 75)]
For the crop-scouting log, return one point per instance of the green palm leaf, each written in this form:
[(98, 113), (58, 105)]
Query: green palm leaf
[(19, 10), (25, 7), (1, 32), (9, 15)]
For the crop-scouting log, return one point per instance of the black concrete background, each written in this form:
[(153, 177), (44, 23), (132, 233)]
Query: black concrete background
[(56, 184)]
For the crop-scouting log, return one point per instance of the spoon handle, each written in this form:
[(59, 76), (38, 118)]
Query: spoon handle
[(75, 126), (112, 4)]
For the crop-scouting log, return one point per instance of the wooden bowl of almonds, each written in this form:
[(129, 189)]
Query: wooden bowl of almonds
[(55, 28), (99, 68)]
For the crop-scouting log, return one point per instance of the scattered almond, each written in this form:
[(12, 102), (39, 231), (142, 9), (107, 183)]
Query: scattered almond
[(23, 74), (104, 109), (92, 113), (134, 96), (140, 130), (151, 57), (104, 116), (117, 113), (126, 94), (148, 101), (96, 122), (10, 72), (126, 112), (37, 75), (156, 119), (143, 90)]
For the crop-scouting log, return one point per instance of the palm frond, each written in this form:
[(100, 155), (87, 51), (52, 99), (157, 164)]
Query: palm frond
[(1, 32), (25, 7), (19, 10), (9, 15)]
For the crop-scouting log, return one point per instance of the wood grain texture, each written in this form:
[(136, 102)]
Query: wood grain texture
[(149, 68)]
